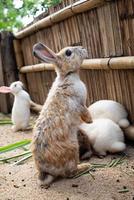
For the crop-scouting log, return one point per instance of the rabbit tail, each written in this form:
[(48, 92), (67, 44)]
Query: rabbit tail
[(124, 123), (118, 147)]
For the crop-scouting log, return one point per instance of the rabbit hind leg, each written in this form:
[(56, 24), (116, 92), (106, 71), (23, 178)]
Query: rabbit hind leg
[(45, 180), (80, 169), (15, 128)]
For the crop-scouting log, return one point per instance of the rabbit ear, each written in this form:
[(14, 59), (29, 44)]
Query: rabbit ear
[(45, 54), (4, 89)]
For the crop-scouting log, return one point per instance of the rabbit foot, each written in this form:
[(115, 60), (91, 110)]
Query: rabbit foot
[(80, 169), (15, 128), (101, 155), (86, 155), (45, 180), (29, 128)]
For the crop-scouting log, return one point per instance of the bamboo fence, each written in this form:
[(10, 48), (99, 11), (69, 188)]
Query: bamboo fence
[(105, 28), (126, 62)]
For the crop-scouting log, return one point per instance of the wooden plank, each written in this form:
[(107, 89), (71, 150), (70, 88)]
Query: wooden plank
[(8, 67), (3, 97)]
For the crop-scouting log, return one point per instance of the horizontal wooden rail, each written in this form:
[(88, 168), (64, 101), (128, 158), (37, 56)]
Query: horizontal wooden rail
[(68, 11), (98, 63)]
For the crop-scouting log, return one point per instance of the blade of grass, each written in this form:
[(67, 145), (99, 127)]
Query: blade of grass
[(5, 122), (120, 161), (123, 190), (6, 161), (99, 165), (91, 175), (24, 148), (14, 146), (116, 162), (13, 157), (80, 174), (110, 164), (19, 162), (5, 119)]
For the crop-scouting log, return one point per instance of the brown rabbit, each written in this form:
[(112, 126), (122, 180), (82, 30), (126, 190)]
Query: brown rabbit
[(55, 144)]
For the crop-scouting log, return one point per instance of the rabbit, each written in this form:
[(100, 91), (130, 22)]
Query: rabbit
[(111, 110), (35, 107), (55, 145), (85, 148), (114, 111), (104, 136), (21, 107)]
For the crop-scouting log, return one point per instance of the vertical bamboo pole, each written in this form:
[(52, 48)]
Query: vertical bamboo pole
[(19, 60)]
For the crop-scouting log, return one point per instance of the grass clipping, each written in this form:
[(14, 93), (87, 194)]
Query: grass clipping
[(26, 154), (94, 166), (17, 158), (5, 121)]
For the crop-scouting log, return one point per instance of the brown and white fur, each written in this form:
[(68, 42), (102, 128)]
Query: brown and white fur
[(55, 145)]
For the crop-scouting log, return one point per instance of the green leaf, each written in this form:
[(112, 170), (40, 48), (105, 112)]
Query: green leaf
[(2, 122), (14, 146), (9, 14)]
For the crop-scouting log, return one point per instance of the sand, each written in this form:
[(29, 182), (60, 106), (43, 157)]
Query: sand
[(19, 182)]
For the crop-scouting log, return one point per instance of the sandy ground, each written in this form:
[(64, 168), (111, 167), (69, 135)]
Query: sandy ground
[(20, 182)]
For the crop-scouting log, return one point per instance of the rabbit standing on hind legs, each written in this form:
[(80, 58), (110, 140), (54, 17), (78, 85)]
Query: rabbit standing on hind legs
[(55, 144), (21, 106)]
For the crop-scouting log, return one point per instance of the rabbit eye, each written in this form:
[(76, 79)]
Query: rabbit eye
[(68, 52), (15, 85)]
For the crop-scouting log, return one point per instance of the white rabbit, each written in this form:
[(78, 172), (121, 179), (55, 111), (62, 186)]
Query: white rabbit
[(21, 106), (114, 111), (111, 110), (104, 136)]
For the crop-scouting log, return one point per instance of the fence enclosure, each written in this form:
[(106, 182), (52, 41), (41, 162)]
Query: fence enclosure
[(104, 28)]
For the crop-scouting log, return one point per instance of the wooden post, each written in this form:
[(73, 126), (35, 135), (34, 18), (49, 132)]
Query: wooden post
[(3, 98), (8, 68)]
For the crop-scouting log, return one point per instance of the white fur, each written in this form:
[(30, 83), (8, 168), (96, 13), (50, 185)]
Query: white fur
[(21, 106), (111, 110), (123, 123), (105, 136)]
